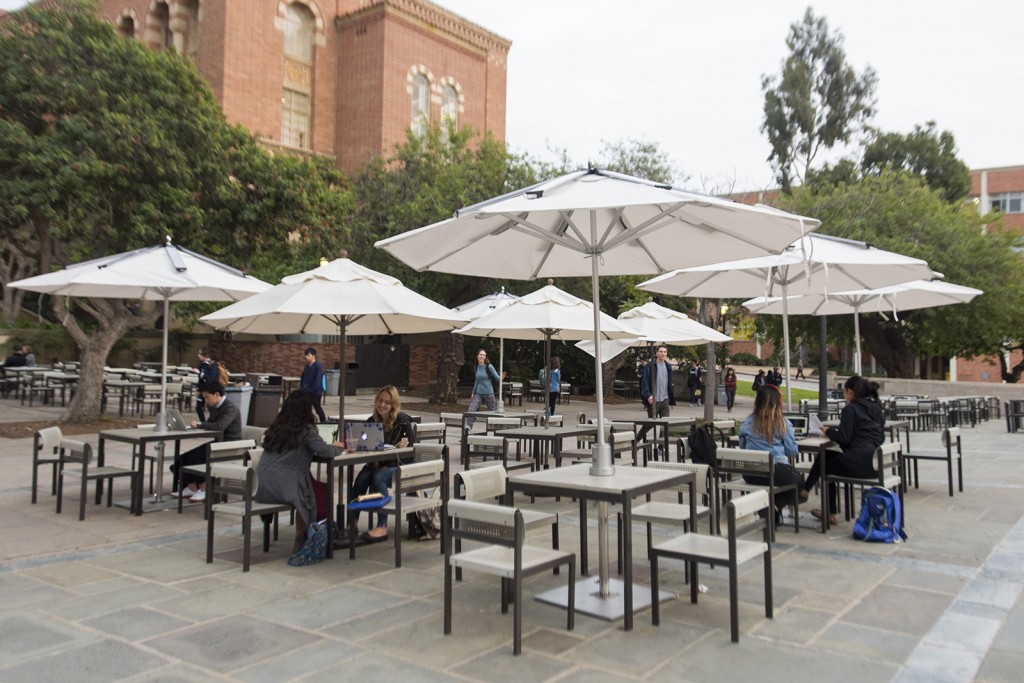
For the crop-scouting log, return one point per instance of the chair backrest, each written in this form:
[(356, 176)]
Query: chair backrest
[(419, 475), (743, 506), (46, 441), (237, 478), (699, 470), (744, 461), (479, 444), (887, 457), (496, 424), (553, 420), (485, 522), (451, 419), (429, 451), (482, 484), (75, 451), (217, 451), (428, 431), (951, 437), (253, 433)]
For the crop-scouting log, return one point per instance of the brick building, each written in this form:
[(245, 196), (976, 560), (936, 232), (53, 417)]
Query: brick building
[(341, 78), (1002, 190)]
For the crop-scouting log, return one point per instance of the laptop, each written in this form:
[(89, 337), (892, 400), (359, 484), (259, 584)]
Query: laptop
[(175, 422), (328, 431), (800, 422), (366, 436)]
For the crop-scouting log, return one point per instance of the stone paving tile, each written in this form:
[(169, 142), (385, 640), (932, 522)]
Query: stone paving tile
[(230, 644), (1011, 636), (500, 666), (369, 667), (1001, 667), (135, 623), (99, 662), (793, 625), (71, 574), (159, 564), (111, 601), (904, 610), (28, 636), (298, 663), (867, 642), (328, 607), (941, 663), (378, 622)]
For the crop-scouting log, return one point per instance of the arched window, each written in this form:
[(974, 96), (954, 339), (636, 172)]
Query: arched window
[(190, 9), (159, 27), (420, 104), (126, 27), (449, 110), (298, 33), (297, 90)]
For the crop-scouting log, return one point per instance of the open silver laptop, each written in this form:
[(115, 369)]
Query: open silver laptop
[(175, 422), (800, 424), (366, 436)]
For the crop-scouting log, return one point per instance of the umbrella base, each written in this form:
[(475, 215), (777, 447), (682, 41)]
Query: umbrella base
[(590, 602)]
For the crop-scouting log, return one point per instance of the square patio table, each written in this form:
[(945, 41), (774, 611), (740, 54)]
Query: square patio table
[(550, 435), (621, 487), (142, 437)]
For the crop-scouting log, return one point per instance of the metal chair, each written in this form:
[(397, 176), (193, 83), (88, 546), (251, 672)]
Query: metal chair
[(80, 453), (506, 555), (950, 442), (729, 551), (46, 451)]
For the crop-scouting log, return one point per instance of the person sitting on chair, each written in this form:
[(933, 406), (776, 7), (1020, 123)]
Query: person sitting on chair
[(767, 429), (226, 418), (289, 446), (378, 475)]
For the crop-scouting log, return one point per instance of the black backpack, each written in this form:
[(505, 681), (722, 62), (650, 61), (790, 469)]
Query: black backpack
[(703, 447)]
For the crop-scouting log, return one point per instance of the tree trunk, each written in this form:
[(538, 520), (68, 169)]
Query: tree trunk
[(450, 359), (888, 347), (113, 320), (609, 369), (1010, 375)]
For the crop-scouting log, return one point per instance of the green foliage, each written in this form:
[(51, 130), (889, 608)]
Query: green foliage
[(896, 210), (924, 152), (818, 101)]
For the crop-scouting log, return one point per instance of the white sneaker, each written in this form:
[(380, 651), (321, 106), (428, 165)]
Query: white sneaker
[(184, 493), (199, 496)]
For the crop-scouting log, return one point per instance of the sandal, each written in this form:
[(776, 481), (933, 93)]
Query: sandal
[(816, 513)]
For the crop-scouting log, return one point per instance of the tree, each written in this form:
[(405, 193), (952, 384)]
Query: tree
[(818, 101), (106, 145), (896, 210), (924, 152)]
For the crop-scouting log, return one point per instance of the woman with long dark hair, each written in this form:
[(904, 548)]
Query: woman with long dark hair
[(730, 389), (289, 445), (861, 430), (378, 475), (767, 429)]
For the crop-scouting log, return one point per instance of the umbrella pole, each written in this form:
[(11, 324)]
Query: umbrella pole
[(161, 417), (602, 454), (501, 371), (785, 343), (341, 380), (546, 389), (823, 369), (856, 340)]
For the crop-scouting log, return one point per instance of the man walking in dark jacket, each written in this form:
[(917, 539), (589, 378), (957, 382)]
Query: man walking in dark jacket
[(312, 382)]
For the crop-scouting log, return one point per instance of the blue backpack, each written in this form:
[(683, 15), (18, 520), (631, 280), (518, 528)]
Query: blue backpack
[(880, 518)]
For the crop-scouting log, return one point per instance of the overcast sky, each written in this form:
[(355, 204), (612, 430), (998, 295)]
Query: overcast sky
[(687, 74)]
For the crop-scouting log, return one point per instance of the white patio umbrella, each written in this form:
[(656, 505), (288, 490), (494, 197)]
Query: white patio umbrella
[(546, 314), (478, 307), (903, 297), (340, 297), (588, 223), (657, 324), (814, 264), (166, 273)]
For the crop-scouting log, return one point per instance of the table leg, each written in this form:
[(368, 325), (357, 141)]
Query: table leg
[(142, 472), (100, 458), (823, 486), (584, 570), (627, 561), (330, 510)]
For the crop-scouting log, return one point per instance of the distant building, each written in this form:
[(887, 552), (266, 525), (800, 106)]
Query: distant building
[(1000, 189), (340, 78)]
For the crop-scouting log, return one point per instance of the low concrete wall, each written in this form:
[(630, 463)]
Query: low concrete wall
[(936, 388)]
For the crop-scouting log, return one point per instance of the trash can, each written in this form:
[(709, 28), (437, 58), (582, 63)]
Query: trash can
[(351, 378), (266, 398), (333, 378), (720, 397), (240, 395)]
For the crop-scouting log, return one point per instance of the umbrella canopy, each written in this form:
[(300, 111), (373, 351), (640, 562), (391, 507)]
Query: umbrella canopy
[(813, 264), (478, 307), (339, 297), (546, 314), (902, 297), (588, 223), (657, 324), (166, 272)]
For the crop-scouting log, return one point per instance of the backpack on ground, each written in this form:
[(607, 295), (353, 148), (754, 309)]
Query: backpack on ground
[(880, 519), (314, 549), (425, 524), (703, 447)]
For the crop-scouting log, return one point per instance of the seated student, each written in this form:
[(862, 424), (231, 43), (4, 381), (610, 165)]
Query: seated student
[(861, 430), (766, 429), (378, 475), (224, 417), (289, 445), (16, 359)]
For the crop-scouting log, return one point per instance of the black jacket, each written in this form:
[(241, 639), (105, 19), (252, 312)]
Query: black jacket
[(861, 430), (227, 418)]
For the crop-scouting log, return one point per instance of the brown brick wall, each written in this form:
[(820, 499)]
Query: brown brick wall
[(983, 369)]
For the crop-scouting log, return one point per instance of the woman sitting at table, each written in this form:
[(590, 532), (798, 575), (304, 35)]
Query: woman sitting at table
[(861, 430), (289, 446), (766, 429), (378, 475)]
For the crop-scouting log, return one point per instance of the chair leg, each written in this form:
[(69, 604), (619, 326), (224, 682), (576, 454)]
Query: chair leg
[(247, 550), (447, 597), (209, 538), (85, 492), (60, 489), (517, 614), (734, 602), (655, 609)]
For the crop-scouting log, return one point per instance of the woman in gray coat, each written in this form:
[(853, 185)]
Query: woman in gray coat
[(289, 446)]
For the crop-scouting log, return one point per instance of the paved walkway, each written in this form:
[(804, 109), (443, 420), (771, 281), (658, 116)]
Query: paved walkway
[(118, 597)]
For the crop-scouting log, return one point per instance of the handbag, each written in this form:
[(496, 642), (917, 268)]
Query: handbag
[(314, 548)]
